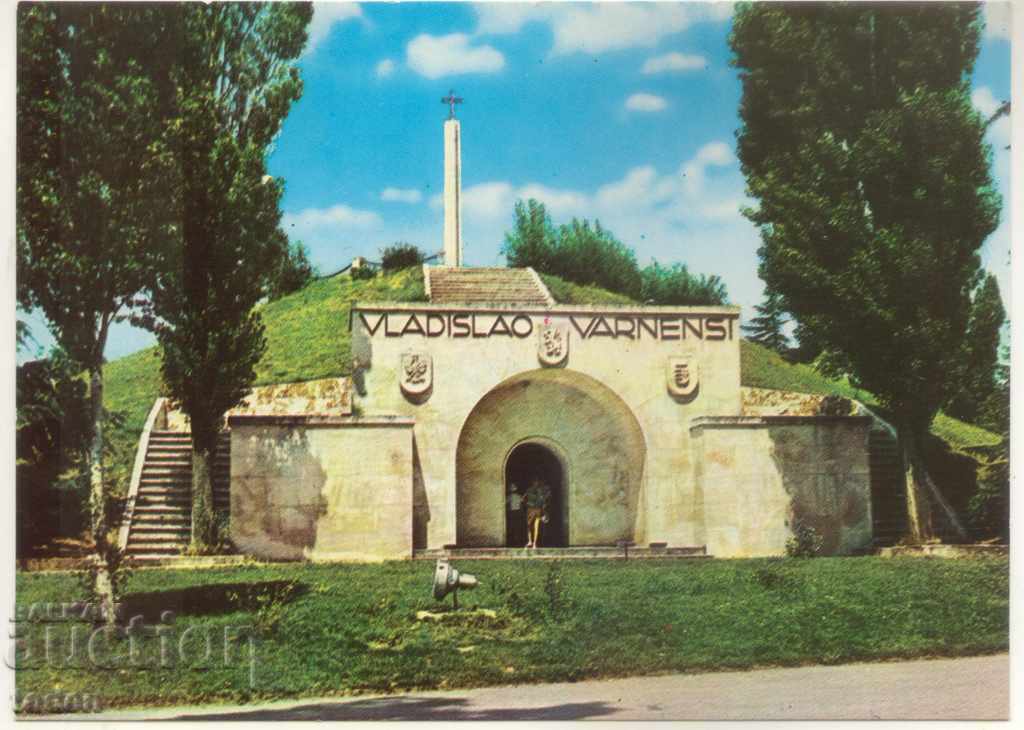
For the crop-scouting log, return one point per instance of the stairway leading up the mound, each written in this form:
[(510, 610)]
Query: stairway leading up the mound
[(888, 491), (889, 494), (480, 285), (162, 519)]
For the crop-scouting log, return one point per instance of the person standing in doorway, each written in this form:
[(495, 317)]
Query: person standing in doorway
[(537, 497), (516, 521)]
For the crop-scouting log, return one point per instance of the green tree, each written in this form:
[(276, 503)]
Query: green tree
[(400, 255), (52, 438), (531, 242), (675, 285), (979, 372), (293, 273), (766, 328), (591, 254), (236, 78), (92, 219), (861, 146)]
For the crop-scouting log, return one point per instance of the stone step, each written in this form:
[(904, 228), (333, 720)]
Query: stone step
[(168, 499), (167, 550), (157, 543), (182, 520), (581, 552), (168, 534)]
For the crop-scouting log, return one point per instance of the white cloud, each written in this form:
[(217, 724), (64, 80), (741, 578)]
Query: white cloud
[(643, 102), (713, 154), (487, 200), (998, 20), (642, 196), (673, 62), (987, 104), (385, 68), (599, 27), (338, 216), (436, 56), (558, 202), (401, 195), (325, 16)]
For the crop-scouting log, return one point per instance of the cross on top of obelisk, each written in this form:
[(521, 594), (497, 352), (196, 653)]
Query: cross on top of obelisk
[(451, 100)]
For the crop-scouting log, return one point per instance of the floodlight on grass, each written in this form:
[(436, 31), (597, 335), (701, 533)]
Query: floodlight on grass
[(449, 580)]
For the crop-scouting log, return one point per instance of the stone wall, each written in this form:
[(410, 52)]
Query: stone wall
[(465, 369), (322, 488), (758, 477)]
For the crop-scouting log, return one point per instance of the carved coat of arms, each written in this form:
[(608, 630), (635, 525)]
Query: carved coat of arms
[(683, 376), (416, 374), (552, 344)]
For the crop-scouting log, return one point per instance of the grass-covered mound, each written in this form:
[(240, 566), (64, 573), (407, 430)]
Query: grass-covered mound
[(339, 629), (308, 338), (764, 368)]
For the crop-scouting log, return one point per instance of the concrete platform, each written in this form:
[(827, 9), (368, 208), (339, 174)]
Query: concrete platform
[(609, 552)]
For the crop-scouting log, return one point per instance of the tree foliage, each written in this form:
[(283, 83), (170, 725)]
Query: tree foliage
[(590, 255), (980, 372), (675, 285), (400, 255), (235, 80), (867, 160), (293, 273), (767, 327), (52, 446), (92, 189)]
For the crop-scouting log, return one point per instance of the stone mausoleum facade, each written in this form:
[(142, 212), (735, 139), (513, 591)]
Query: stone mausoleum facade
[(632, 415)]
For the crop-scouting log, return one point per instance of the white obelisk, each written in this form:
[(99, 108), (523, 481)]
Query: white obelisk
[(452, 185)]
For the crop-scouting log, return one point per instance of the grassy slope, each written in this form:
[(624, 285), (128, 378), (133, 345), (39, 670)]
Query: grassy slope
[(308, 338), (351, 628), (763, 368)]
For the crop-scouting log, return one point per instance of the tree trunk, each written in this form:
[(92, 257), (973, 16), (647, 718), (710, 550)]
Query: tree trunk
[(103, 586), (919, 508), (203, 524)]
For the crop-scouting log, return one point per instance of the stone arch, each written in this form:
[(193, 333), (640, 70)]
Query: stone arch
[(596, 434)]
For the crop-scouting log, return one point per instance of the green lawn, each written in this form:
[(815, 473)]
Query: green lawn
[(340, 629)]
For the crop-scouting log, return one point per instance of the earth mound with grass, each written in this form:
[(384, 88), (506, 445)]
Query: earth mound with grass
[(308, 338)]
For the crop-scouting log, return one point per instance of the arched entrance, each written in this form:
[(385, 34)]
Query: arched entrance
[(588, 428), (528, 463)]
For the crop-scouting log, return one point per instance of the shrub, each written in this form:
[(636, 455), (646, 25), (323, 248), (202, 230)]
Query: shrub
[(805, 542), (989, 508), (675, 285), (293, 273), (362, 272), (400, 256)]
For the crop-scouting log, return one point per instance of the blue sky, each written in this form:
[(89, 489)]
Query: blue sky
[(621, 112)]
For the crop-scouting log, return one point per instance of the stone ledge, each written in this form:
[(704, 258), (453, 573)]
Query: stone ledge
[(321, 420), (944, 551), (763, 421), (725, 311)]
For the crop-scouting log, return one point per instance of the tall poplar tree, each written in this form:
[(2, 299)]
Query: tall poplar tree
[(92, 223), (860, 144), (980, 379), (236, 78)]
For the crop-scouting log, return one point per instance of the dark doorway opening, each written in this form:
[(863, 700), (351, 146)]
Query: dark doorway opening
[(528, 463)]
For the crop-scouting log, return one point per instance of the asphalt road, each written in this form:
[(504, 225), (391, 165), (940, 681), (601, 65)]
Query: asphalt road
[(975, 688)]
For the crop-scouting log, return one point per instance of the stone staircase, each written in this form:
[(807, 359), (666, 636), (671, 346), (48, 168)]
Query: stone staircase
[(161, 522), (482, 285), (888, 492), (889, 496)]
